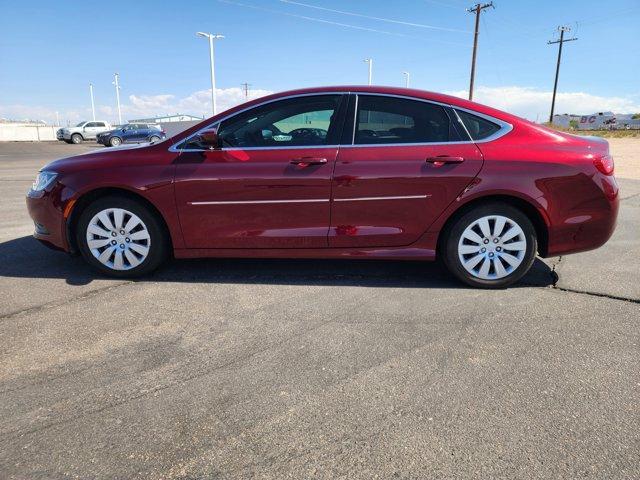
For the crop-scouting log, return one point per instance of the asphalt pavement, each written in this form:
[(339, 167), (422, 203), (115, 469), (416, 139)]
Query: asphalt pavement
[(314, 369)]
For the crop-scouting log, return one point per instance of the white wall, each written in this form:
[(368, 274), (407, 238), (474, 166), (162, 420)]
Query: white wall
[(173, 128), (26, 133)]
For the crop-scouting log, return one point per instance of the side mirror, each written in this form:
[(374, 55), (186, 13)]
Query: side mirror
[(209, 139)]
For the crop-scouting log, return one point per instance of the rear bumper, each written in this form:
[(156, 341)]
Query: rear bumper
[(592, 225), (47, 210)]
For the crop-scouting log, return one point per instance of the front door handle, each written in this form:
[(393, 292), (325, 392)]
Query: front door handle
[(442, 159), (305, 161)]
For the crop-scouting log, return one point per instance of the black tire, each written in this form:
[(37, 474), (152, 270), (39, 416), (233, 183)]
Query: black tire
[(115, 141), (77, 138), (154, 138), (158, 244), (452, 235)]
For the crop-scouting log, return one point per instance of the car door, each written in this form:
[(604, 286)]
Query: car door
[(141, 133), (269, 183), (130, 133), (404, 162), (90, 130)]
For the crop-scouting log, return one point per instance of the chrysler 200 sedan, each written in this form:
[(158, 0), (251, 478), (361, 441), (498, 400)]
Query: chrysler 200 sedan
[(338, 172)]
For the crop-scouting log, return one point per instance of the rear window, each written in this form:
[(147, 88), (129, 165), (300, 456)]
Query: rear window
[(479, 128)]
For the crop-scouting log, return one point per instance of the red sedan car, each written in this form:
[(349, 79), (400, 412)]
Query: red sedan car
[(339, 172)]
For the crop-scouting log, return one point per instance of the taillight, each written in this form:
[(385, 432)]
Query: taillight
[(604, 164)]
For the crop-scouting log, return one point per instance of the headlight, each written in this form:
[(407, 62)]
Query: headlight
[(43, 180)]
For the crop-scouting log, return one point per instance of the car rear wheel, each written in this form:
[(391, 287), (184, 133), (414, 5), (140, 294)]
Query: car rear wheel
[(490, 246), (121, 237), (114, 141), (154, 139), (76, 138)]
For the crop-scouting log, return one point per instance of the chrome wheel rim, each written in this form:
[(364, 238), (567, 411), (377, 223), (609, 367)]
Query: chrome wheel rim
[(118, 239), (154, 139), (492, 247), (115, 142)]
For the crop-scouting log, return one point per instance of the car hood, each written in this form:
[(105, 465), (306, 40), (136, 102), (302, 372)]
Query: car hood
[(107, 158)]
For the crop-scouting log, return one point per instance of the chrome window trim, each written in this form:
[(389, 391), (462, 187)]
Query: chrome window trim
[(505, 127), (419, 144)]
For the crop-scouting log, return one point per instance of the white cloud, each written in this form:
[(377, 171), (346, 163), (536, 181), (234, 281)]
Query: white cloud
[(532, 103), (136, 106)]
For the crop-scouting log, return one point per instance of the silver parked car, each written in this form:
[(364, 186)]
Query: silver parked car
[(83, 131)]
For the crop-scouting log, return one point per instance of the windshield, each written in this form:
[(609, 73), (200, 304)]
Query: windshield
[(80, 124)]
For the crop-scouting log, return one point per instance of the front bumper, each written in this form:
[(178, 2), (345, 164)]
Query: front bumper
[(49, 210)]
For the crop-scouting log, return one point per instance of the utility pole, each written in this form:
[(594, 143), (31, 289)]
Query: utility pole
[(477, 9), (245, 88), (116, 82), (370, 62), (57, 119), (407, 75), (555, 83), (93, 105)]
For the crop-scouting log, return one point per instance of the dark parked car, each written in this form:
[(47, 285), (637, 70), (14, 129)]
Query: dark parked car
[(339, 172), (131, 133)]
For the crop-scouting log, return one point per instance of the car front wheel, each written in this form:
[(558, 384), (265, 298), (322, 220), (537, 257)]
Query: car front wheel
[(490, 246), (76, 138), (114, 141), (121, 237)]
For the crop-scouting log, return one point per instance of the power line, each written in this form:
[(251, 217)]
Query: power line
[(560, 41), (477, 9), (380, 19), (339, 24)]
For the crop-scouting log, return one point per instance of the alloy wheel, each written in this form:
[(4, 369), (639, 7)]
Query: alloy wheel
[(118, 239), (492, 247)]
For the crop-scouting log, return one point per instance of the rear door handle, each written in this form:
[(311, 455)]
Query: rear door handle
[(304, 161), (442, 159)]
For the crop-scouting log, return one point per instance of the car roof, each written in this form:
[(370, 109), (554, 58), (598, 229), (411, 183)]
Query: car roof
[(384, 90)]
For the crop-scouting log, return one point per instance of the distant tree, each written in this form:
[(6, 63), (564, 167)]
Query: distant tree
[(573, 124), (636, 116)]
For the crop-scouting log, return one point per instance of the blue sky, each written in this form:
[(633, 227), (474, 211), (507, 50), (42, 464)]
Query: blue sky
[(51, 51)]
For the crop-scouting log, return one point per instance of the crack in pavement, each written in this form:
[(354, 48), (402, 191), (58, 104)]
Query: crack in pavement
[(555, 278), (46, 306)]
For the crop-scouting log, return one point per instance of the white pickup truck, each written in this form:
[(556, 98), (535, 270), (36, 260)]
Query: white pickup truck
[(82, 131)]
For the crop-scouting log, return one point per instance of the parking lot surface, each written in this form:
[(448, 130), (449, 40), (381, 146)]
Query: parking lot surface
[(315, 369)]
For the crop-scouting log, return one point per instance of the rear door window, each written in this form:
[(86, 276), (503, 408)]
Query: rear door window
[(391, 120)]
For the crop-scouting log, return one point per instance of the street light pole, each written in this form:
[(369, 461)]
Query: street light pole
[(406, 79), (93, 105), (370, 62), (117, 84), (212, 37)]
